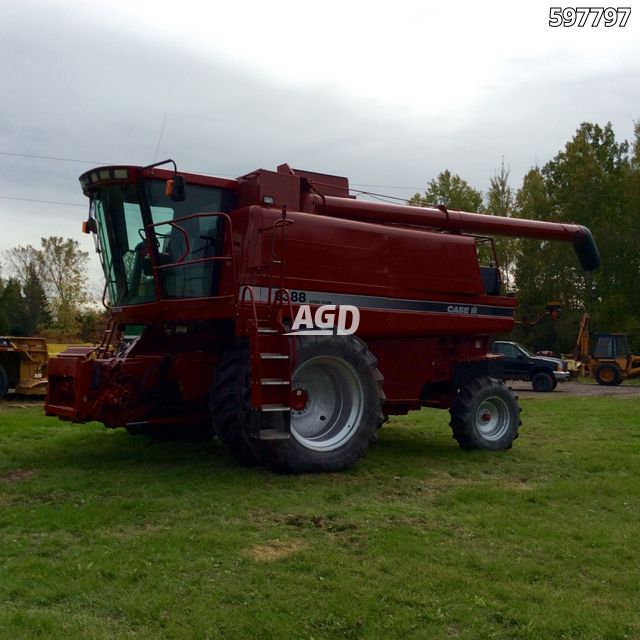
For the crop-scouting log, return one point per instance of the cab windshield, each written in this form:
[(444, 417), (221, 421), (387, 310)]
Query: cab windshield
[(124, 210)]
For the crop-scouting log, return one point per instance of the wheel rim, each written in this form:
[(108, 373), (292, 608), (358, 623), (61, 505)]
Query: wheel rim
[(493, 418), (334, 403), (606, 374)]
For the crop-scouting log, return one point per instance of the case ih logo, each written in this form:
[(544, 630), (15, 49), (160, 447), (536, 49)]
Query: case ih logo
[(330, 319), (453, 308)]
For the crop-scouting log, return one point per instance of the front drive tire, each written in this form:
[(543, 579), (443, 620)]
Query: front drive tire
[(230, 403), (485, 415), (340, 380)]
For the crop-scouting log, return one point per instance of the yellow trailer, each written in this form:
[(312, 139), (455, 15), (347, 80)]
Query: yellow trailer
[(23, 365)]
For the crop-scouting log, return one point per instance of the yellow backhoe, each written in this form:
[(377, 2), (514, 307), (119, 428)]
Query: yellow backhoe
[(610, 361)]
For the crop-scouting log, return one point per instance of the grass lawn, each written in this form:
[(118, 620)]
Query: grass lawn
[(105, 535)]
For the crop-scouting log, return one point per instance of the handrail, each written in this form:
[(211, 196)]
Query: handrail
[(173, 265), (181, 261), (278, 299), (278, 295), (108, 280), (254, 311), (107, 336), (104, 294), (173, 225), (280, 260)]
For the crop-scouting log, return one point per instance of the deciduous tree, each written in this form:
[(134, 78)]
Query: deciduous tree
[(64, 266), (53, 282), (12, 308), (451, 191), (501, 202), (37, 312)]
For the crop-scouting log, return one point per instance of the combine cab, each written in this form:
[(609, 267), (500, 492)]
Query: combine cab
[(289, 318), (23, 365)]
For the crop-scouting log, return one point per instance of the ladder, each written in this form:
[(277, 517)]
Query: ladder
[(271, 382), (272, 352), (104, 347)]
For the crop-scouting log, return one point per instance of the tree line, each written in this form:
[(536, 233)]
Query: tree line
[(44, 291), (593, 181)]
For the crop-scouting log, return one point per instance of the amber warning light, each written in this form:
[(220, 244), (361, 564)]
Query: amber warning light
[(175, 188)]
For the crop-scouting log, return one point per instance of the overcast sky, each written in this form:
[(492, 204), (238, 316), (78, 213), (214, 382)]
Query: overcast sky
[(388, 94)]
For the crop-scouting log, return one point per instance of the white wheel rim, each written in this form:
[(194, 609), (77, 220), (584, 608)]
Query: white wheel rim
[(334, 407), (492, 418)]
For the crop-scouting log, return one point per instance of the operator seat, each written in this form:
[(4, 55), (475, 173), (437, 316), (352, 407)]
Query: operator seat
[(191, 280)]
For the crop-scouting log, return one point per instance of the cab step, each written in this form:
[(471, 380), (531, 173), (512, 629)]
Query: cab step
[(275, 407), (273, 434)]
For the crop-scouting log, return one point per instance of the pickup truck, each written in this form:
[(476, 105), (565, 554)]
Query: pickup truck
[(543, 372)]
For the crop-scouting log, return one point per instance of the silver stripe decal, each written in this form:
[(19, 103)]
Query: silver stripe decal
[(303, 296)]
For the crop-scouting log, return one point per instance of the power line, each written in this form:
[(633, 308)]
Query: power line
[(378, 196), (386, 186), (66, 204), (215, 173), (57, 158)]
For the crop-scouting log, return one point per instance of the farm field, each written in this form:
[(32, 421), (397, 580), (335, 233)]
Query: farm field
[(105, 535)]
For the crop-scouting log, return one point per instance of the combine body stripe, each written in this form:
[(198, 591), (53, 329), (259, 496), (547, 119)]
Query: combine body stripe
[(302, 296)]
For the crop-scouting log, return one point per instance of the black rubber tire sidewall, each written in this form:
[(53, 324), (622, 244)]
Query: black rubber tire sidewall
[(291, 456), (464, 409), (230, 403), (617, 376), (542, 381), (4, 382)]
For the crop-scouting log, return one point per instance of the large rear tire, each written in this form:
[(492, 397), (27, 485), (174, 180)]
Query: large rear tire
[(230, 403), (608, 375), (338, 378), (485, 415), (4, 382)]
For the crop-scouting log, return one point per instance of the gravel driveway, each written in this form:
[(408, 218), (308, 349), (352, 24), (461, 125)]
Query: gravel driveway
[(581, 389)]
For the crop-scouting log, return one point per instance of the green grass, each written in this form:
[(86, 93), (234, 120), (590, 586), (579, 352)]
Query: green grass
[(104, 535)]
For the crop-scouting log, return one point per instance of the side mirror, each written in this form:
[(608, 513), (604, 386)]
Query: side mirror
[(89, 226), (175, 188)]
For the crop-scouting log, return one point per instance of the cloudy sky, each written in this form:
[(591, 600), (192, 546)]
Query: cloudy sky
[(386, 93)]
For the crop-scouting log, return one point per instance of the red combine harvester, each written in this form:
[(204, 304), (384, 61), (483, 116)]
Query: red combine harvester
[(207, 279)]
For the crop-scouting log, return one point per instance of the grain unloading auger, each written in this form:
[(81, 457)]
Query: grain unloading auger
[(463, 222), (208, 278)]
